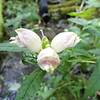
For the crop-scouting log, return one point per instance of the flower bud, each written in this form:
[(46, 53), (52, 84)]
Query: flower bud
[(27, 38), (64, 40), (48, 59)]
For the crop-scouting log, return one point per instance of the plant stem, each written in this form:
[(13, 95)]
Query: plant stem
[(1, 19)]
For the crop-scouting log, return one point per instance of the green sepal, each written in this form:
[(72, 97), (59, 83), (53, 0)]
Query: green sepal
[(45, 42)]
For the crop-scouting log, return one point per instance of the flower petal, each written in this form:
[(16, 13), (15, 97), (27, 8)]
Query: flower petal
[(64, 40), (48, 59), (29, 39)]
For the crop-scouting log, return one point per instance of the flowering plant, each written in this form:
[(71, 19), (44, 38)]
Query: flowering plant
[(47, 58)]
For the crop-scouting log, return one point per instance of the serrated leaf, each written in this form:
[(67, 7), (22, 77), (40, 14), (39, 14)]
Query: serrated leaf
[(94, 82), (11, 47), (30, 85)]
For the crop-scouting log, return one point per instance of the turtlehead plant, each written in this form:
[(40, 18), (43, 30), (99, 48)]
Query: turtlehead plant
[(48, 58)]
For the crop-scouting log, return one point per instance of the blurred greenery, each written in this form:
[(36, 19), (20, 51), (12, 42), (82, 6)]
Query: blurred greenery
[(20, 14), (1, 19)]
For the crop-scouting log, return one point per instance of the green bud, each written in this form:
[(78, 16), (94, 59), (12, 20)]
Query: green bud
[(45, 42)]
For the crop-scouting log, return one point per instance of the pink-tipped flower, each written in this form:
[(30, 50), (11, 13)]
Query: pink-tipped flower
[(48, 59), (27, 38), (64, 40)]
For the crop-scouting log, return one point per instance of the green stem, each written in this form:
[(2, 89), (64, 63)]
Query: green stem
[(1, 19)]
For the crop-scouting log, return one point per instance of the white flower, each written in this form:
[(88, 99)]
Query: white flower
[(48, 59), (27, 38), (64, 40)]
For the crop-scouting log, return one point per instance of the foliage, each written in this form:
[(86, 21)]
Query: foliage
[(87, 13), (11, 47), (1, 19), (27, 92), (93, 3), (77, 77), (94, 83), (20, 14), (84, 56)]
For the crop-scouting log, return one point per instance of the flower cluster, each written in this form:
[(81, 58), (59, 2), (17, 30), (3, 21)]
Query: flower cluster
[(47, 59)]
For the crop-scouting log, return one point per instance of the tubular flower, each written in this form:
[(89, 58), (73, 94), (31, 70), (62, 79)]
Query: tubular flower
[(48, 59), (64, 40), (27, 38)]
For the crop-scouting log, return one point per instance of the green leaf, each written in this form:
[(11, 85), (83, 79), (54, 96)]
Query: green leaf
[(79, 21), (11, 47), (94, 30), (95, 51), (94, 81), (75, 29), (86, 14), (30, 85)]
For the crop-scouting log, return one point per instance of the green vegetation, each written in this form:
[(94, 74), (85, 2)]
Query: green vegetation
[(78, 75)]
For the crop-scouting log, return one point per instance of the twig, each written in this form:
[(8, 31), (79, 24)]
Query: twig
[(81, 6)]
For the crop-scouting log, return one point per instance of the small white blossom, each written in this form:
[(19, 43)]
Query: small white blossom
[(64, 40), (48, 59), (27, 38)]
